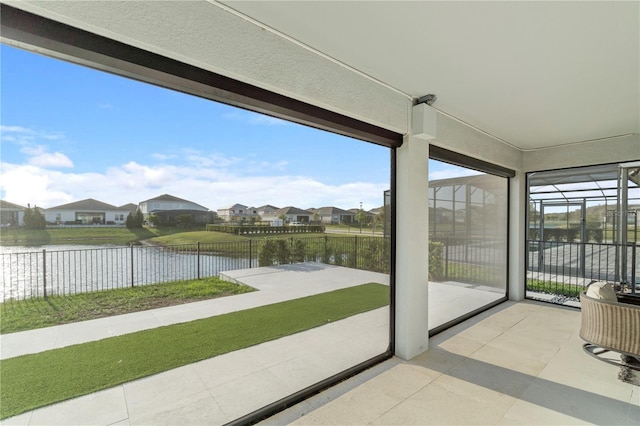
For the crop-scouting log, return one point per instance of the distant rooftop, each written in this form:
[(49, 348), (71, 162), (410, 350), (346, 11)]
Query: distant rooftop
[(88, 204)]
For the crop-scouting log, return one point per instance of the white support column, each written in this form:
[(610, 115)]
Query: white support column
[(517, 227), (412, 239)]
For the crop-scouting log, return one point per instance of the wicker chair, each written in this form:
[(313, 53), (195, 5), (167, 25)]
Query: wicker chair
[(611, 326)]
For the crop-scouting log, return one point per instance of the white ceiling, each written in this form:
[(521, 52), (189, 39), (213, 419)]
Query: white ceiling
[(534, 74)]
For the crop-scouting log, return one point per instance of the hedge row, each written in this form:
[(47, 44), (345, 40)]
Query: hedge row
[(569, 235), (265, 230)]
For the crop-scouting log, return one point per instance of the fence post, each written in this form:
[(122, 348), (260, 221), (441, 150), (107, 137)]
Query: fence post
[(250, 253), (198, 259), (44, 271), (355, 251), (633, 268), (446, 257), (131, 249), (290, 249), (325, 257)]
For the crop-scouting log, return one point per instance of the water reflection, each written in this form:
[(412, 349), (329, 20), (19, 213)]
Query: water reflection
[(55, 269)]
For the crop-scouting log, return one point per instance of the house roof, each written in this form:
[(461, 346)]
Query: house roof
[(234, 207), (355, 211), (267, 206), (292, 210), (5, 205), (168, 197), (88, 204), (129, 207), (324, 211)]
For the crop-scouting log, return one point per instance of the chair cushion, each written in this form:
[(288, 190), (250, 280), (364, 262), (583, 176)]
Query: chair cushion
[(602, 290)]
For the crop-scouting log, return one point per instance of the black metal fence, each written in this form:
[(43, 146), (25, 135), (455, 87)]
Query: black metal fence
[(553, 267), (476, 261), (44, 273), (560, 268), (566, 268)]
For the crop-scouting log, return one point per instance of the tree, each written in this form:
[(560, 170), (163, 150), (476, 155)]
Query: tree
[(377, 220), (283, 217), (316, 217), (361, 217), (139, 218), (33, 218), (154, 219), (135, 220)]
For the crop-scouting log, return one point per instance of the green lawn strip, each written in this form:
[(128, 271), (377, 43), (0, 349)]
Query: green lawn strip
[(207, 237), (32, 381), (551, 287), (29, 314), (82, 235)]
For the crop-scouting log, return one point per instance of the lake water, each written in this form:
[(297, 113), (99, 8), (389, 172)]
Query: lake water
[(65, 269)]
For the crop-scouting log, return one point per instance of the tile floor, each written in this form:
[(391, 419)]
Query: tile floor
[(517, 364)]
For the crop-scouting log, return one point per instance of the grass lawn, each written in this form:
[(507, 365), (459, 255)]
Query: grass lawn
[(37, 313), (124, 236), (85, 235), (570, 290), (36, 380), (195, 237), (217, 237)]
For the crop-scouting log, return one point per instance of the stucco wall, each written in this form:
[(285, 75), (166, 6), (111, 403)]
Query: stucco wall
[(612, 150), (459, 137)]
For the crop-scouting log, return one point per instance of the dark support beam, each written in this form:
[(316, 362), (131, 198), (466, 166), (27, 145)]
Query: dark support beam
[(43, 35)]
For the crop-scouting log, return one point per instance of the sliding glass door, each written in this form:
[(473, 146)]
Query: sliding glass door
[(468, 223)]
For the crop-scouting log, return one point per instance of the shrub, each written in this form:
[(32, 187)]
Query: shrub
[(273, 252), (435, 260), (34, 219), (135, 220), (374, 254), (264, 230), (298, 251)]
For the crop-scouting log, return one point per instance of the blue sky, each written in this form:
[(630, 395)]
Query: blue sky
[(70, 133)]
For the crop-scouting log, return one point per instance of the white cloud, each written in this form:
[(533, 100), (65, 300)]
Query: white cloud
[(25, 184), (16, 134), (162, 157), (38, 156), (211, 160), (134, 182), (15, 129), (26, 136)]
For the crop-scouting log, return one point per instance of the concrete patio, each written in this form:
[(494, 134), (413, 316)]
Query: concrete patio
[(519, 363), (516, 364)]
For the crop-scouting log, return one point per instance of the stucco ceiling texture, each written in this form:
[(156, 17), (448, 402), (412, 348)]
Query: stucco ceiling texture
[(534, 74)]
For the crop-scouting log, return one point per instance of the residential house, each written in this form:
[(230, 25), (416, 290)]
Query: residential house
[(168, 207), (266, 210), (86, 212), (130, 207), (237, 213), (334, 215), (291, 214), (11, 214)]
